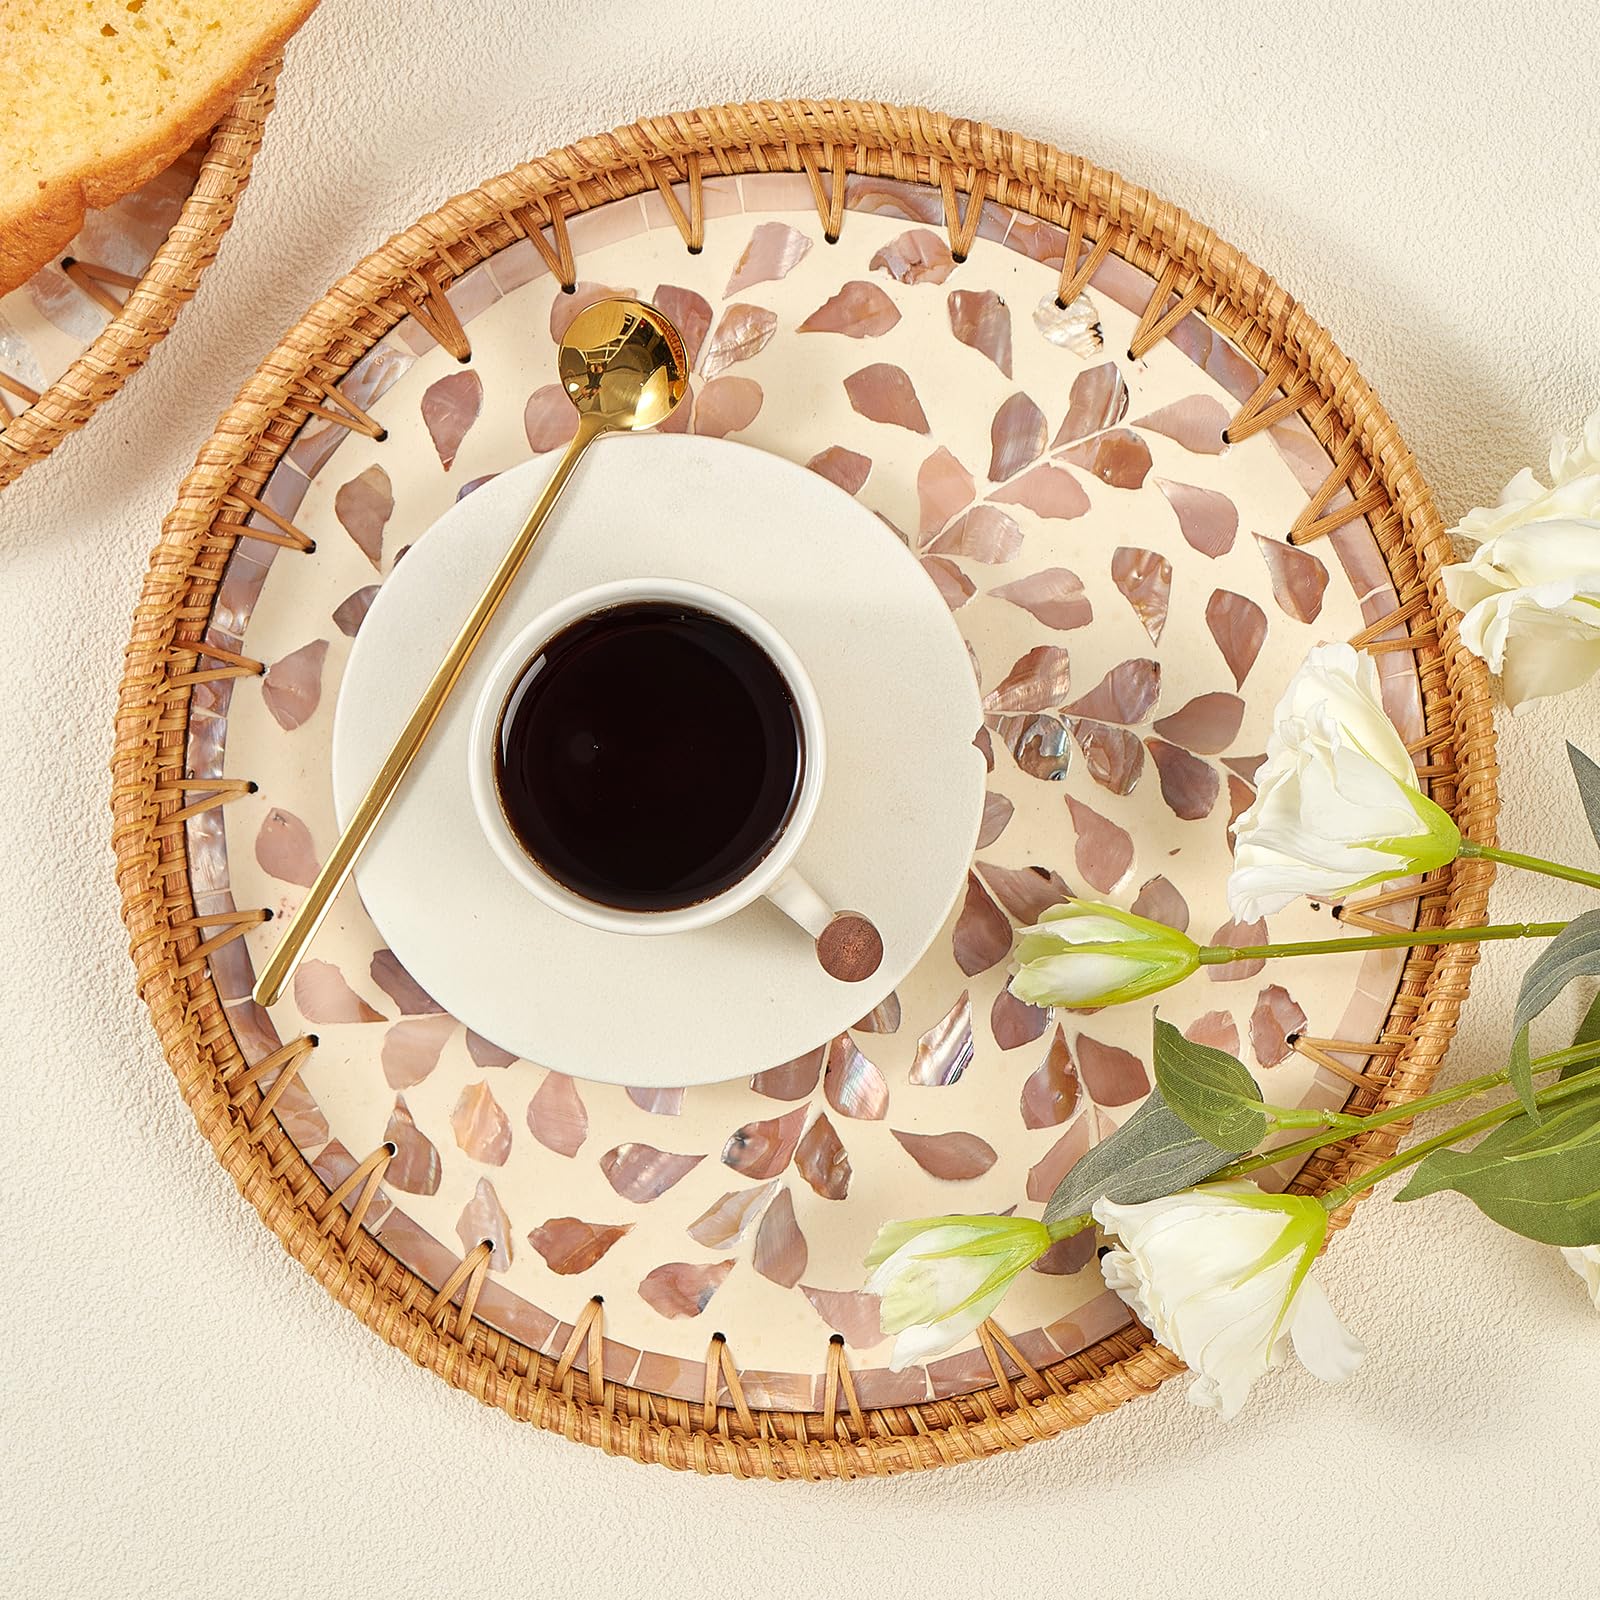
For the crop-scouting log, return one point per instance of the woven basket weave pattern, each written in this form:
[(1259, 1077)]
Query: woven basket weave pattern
[(152, 307), (967, 163)]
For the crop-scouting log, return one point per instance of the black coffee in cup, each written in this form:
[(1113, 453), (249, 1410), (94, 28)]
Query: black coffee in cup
[(649, 756)]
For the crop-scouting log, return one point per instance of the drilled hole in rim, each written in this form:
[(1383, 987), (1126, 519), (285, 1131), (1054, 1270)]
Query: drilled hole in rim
[(313, 1040), (380, 436), (696, 249), (391, 1147), (958, 258), (310, 549), (252, 787), (830, 238), (569, 288)]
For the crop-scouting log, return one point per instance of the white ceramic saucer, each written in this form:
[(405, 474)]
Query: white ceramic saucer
[(899, 813)]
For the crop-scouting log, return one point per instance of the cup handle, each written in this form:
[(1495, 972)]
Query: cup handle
[(849, 947)]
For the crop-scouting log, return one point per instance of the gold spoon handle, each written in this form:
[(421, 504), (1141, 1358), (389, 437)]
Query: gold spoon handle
[(308, 916)]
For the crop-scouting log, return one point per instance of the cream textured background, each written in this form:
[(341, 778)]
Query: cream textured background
[(183, 1412)]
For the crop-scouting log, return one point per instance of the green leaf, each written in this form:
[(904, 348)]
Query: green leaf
[(1211, 1091), (1540, 1179), (1588, 776), (1573, 953), (1588, 1033), (1153, 1154)]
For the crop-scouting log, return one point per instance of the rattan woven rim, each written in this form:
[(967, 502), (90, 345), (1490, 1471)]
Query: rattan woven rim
[(170, 280), (968, 161)]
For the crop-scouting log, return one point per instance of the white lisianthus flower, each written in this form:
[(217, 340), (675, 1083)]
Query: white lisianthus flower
[(1221, 1275), (1338, 804), (1081, 955), (939, 1277), (1530, 592), (1585, 1261)]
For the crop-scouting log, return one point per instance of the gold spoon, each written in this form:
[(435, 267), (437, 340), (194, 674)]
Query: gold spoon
[(623, 366)]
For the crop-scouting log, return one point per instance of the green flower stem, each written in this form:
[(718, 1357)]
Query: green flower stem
[(1553, 1095), (1514, 858), (1553, 1062), (1216, 955), (1067, 1226), (1314, 1117)]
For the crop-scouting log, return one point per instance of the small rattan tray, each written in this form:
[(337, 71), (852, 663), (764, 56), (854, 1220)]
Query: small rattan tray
[(247, 1100), (139, 322)]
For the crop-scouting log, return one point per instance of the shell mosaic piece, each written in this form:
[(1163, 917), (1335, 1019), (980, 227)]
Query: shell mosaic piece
[(49, 321), (1132, 606)]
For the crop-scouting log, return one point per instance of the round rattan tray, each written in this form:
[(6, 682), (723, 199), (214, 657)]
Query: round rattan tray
[(153, 301), (325, 1218)]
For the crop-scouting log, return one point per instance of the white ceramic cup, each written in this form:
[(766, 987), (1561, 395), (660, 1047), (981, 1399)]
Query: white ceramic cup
[(774, 876)]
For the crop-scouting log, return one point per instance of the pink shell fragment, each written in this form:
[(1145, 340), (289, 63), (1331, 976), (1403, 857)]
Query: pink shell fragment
[(557, 1117), (1113, 1076), (944, 1052), (1207, 519), (763, 1149), (1016, 437), (1196, 422), (883, 1017), (1240, 798), (1238, 935), (1215, 1028), (352, 611), (780, 1252), (483, 1220), (1246, 766), (570, 1245), (1160, 902), (364, 506), (1037, 681), (859, 311), (1276, 1020), (1045, 1175), (292, 686), (409, 995), (549, 419), (322, 995), (917, 256), (1099, 400), (690, 314), (883, 393), (981, 319), (481, 1128), (851, 1313), (729, 1218), (680, 1288), (485, 1054), (1051, 1092), (725, 405), (1046, 491), (944, 487), (1145, 579), (1103, 851), (450, 406), (1014, 1022), (1038, 744), (982, 933), (985, 533), (1209, 723), (821, 1159), (1114, 757), (950, 1157), (411, 1049), (284, 848), (853, 1085), (1188, 785), (1239, 626), (658, 1102), (1298, 578), (773, 252), (414, 1166), (841, 466), (1026, 892), (954, 586), (793, 1080), (641, 1173), (997, 811), (744, 331), (1127, 693), (1120, 459)]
